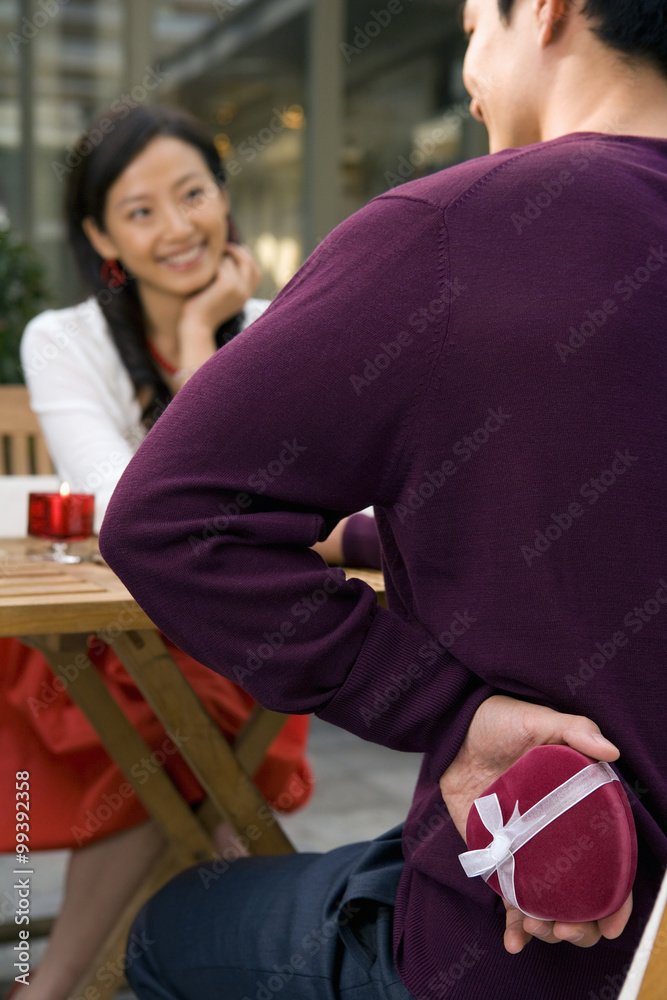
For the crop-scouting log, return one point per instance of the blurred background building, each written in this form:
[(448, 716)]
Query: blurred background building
[(315, 105)]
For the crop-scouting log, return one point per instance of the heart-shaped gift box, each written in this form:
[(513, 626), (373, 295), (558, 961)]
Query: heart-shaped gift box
[(556, 829)]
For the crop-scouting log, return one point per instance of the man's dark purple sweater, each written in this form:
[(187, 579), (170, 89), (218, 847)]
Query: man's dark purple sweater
[(481, 356)]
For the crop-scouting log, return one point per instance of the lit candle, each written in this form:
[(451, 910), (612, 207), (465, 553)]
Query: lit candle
[(62, 516)]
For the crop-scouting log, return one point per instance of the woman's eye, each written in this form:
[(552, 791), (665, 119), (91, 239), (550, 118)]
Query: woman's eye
[(196, 194), (139, 213)]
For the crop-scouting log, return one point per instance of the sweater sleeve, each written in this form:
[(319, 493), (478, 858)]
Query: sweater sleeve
[(361, 543), (301, 421)]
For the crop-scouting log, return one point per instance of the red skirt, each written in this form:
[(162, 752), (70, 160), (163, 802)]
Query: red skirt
[(77, 793)]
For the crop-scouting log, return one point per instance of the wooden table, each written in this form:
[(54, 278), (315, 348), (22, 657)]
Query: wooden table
[(55, 608)]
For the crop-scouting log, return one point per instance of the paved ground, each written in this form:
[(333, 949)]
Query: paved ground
[(362, 791)]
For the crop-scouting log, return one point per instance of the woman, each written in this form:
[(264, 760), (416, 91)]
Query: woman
[(148, 218)]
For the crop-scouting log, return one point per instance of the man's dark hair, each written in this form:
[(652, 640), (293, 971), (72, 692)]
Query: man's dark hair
[(637, 28)]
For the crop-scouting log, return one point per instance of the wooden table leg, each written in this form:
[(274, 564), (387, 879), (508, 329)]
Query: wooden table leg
[(158, 794), (256, 736), (208, 754)]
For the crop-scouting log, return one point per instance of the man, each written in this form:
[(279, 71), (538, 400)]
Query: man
[(480, 355)]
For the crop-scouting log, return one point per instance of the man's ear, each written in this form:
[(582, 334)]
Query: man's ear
[(102, 243), (550, 15)]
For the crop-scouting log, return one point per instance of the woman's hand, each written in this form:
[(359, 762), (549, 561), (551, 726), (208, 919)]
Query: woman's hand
[(236, 280), (501, 730), (331, 549)]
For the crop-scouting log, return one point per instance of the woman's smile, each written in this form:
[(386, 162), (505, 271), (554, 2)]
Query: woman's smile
[(181, 260)]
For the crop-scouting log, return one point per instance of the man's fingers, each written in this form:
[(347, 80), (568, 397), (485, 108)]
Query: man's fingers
[(541, 929), (583, 735), (614, 925), (583, 935), (528, 726), (515, 936), (519, 929), (577, 731)]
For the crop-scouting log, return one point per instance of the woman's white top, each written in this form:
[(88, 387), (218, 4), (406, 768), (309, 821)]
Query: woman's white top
[(84, 397)]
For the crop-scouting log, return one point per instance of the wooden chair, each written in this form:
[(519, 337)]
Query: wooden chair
[(22, 448)]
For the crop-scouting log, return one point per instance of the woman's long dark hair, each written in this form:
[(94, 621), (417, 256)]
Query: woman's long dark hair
[(101, 155)]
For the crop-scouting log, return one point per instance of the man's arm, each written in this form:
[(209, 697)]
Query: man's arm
[(287, 430)]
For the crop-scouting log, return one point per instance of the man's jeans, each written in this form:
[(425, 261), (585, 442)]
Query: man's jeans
[(299, 927)]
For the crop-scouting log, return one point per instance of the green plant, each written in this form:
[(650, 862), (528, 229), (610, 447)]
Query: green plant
[(23, 293)]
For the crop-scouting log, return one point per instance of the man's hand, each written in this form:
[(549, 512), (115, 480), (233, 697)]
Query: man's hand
[(501, 731)]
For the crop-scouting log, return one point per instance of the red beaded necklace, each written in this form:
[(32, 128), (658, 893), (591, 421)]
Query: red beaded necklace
[(163, 363)]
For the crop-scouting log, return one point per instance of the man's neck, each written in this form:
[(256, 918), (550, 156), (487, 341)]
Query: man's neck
[(629, 101)]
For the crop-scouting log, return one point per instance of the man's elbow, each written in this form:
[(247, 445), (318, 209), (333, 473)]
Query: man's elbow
[(122, 536)]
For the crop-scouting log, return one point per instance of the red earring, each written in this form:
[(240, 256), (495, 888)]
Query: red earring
[(112, 274)]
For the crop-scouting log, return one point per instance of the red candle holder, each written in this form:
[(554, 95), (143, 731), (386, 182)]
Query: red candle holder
[(61, 517)]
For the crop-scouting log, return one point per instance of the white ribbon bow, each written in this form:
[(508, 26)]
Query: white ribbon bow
[(509, 837)]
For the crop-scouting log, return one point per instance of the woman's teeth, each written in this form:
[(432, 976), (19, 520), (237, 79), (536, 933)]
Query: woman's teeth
[(186, 257)]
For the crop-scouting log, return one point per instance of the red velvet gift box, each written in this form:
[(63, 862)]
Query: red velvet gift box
[(543, 830)]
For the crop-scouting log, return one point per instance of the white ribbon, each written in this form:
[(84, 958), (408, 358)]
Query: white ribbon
[(509, 837)]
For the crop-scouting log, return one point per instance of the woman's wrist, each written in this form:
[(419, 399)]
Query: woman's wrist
[(195, 334), (196, 345)]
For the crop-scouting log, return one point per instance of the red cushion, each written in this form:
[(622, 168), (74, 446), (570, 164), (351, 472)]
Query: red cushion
[(582, 865)]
